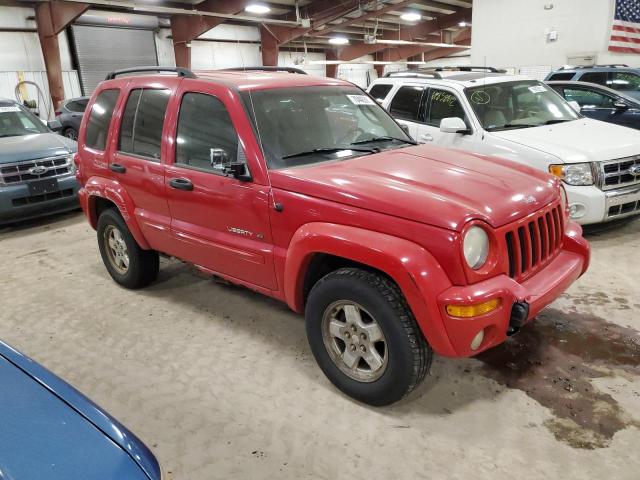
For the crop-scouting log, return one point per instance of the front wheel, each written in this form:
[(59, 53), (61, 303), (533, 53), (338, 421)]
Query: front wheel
[(364, 337), (127, 263)]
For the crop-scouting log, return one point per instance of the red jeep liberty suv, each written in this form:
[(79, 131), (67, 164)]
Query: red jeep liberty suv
[(304, 189)]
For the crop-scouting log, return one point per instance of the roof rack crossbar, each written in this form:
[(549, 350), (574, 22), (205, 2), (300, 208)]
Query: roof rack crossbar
[(182, 72), (413, 74), (265, 69), (610, 65), (466, 68)]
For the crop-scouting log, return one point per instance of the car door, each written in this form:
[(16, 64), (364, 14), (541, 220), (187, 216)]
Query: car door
[(137, 154), (218, 222), (442, 103), (602, 106), (405, 107)]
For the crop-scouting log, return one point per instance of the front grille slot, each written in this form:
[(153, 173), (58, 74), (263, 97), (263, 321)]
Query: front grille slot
[(45, 197), (624, 209), (19, 172), (533, 242), (619, 173)]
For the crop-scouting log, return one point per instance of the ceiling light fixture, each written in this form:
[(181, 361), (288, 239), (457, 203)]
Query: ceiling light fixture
[(339, 40), (464, 24), (257, 8), (410, 16)]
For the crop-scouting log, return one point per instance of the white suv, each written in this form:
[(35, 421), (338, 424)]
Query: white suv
[(488, 112)]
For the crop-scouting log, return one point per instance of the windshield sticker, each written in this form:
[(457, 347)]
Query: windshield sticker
[(537, 89), (361, 100), (9, 109), (480, 97)]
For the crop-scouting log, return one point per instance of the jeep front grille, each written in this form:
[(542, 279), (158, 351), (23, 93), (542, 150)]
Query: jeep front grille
[(534, 241), (14, 173), (619, 173)]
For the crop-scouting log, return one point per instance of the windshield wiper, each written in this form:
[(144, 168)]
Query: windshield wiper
[(384, 138), (513, 125), (330, 150), (558, 120)]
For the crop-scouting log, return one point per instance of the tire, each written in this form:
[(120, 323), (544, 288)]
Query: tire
[(114, 238), (71, 133), (353, 296)]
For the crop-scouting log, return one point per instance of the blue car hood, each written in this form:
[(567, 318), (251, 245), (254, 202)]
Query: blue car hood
[(49, 430), (37, 145)]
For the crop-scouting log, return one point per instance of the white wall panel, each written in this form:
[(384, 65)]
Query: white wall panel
[(294, 59), (216, 55), (232, 32), (164, 47), (360, 74), (513, 33)]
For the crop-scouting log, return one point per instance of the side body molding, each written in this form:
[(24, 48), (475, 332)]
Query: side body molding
[(414, 269)]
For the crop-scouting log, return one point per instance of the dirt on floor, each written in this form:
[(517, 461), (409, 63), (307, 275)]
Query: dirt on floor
[(220, 382)]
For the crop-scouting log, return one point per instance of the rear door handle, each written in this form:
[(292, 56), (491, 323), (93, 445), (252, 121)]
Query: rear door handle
[(181, 184), (116, 167), (427, 137)]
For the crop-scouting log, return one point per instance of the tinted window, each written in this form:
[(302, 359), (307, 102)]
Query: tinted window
[(77, 106), (588, 98), (625, 81), (100, 118), (380, 91), (562, 76), (595, 77), (443, 104), (141, 129), (406, 103), (206, 137)]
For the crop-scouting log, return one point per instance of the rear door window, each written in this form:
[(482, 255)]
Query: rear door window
[(406, 103), (595, 77), (380, 91), (141, 128), (562, 76), (100, 119), (625, 81)]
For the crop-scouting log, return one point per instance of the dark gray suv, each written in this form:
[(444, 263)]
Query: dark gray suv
[(622, 78), (37, 173)]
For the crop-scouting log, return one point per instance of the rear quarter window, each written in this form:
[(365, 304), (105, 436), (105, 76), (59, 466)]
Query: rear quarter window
[(562, 76), (100, 118), (406, 103), (380, 91)]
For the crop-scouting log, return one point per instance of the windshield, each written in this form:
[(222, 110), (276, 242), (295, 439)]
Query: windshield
[(312, 124), (519, 104), (16, 121)]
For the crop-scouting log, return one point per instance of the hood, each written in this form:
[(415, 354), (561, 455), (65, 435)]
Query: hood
[(583, 140), (427, 184), (52, 431), (39, 145)]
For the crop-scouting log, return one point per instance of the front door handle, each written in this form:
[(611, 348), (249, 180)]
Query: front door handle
[(181, 184), (116, 167), (426, 137)]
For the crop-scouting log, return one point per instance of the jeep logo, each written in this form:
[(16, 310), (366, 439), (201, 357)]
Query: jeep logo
[(37, 170)]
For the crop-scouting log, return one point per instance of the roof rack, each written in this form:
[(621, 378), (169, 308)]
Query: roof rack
[(612, 65), (466, 68), (182, 72), (413, 74), (265, 69)]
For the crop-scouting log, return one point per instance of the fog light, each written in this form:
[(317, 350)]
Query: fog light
[(477, 340), (577, 210), (466, 311)]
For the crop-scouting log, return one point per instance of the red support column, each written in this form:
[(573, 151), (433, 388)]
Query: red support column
[(331, 70), (270, 46)]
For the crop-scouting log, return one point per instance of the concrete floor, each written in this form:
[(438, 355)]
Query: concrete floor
[(220, 383)]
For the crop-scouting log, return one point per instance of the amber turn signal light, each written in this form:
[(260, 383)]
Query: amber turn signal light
[(467, 311)]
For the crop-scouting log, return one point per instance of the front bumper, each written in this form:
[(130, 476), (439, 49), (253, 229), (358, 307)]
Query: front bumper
[(596, 206), (17, 203), (536, 292)]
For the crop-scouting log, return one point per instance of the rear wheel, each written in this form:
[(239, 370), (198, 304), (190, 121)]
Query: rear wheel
[(127, 263), (71, 133), (364, 337)]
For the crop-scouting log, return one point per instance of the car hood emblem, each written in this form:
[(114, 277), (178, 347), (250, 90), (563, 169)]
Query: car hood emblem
[(37, 170)]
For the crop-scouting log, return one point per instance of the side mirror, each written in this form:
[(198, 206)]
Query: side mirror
[(453, 125), (575, 105), (55, 125), (237, 170), (620, 105), (405, 128)]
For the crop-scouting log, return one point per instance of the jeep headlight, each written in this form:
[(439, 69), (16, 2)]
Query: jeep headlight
[(573, 173), (475, 246)]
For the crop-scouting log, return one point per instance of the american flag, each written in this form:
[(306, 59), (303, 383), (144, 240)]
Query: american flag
[(625, 32)]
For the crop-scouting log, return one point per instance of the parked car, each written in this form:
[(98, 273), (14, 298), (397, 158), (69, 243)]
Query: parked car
[(50, 430), (521, 119), (37, 173), (70, 115), (391, 250), (622, 78), (600, 103)]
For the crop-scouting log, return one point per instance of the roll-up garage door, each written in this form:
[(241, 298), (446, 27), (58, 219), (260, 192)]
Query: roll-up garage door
[(100, 50)]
